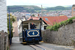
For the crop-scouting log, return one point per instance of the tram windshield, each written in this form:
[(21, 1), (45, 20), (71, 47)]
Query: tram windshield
[(34, 25)]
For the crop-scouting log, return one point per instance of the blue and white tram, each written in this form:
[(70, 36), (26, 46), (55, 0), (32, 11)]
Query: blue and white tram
[(30, 35)]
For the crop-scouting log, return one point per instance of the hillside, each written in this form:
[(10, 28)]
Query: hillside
[(32, 9), (23, 8), (58, 8)]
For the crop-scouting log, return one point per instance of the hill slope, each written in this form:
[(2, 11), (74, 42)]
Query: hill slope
[(23, 8), (58, 8), (32, 9)]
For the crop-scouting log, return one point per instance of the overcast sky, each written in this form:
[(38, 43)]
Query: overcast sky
[(45, 3)]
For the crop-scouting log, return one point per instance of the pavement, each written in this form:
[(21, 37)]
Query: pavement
[(17, 46)]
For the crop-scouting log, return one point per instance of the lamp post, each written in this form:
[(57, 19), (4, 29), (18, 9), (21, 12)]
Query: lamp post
[(9, 27)]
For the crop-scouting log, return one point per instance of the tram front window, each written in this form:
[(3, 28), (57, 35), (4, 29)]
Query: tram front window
[(35, 26)]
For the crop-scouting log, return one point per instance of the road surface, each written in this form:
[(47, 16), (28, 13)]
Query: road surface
[(42, 46)]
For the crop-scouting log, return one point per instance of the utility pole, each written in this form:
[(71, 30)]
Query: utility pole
[(9, 27), (42, 17), (31, 17), (41, 12)]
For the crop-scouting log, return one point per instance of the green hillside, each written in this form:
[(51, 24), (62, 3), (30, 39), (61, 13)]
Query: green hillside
[(33, 9), (23, 8), (58, 8)]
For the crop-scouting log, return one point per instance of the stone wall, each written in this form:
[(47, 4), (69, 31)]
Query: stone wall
[(3, 40), (3, 15), (64, 36)]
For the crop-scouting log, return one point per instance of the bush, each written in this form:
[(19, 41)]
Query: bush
[(56, 26)]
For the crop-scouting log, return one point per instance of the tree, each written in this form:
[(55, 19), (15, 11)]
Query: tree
[(12, 19), (33, 15)]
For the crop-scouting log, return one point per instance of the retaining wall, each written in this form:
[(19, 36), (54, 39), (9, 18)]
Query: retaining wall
[(64, 36)]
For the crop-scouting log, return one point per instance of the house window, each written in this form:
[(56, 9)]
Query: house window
[(45, 27)]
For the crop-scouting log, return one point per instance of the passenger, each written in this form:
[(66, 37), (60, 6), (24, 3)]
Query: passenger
[(32, 26)]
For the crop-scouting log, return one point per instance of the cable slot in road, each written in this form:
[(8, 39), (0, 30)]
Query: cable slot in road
[(39, 47)]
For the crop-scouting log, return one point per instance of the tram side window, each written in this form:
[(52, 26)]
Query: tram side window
[(25, 26), (37, 26)]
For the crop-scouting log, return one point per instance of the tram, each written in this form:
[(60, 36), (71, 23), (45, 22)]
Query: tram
[(26, 34)]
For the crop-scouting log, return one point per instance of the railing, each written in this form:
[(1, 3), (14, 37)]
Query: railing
[(3, 40)]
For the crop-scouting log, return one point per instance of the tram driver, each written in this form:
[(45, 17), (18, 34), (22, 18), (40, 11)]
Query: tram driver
[(32, 26)]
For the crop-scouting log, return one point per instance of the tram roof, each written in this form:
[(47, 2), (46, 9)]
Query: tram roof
[(28, 21)]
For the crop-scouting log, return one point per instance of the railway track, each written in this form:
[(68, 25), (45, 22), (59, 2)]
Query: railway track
[(39, 47)]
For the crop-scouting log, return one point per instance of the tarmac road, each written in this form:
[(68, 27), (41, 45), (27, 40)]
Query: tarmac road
[(17, 46), (56, 47)]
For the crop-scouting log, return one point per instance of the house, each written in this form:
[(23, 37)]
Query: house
[(69, 16), (73, 10), (3, 15), (50, 20), (15, 29), (19, 20), (16, 24)]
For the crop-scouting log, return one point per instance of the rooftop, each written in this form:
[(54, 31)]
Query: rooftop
[(50, 20)]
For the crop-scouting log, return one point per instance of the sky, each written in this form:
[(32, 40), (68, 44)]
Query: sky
[(44, 3)]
